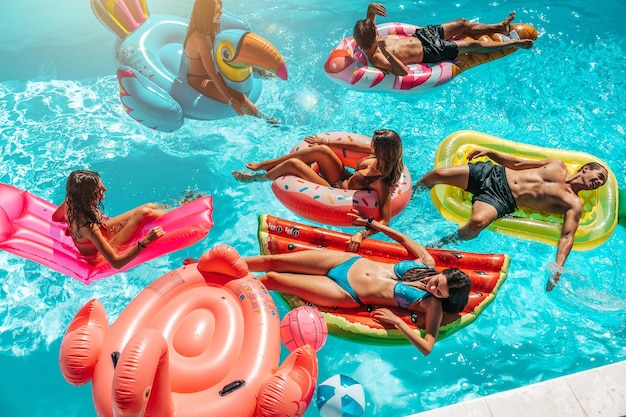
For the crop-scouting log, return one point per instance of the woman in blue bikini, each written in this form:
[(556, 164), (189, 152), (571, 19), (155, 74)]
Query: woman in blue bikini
[(342, 279)]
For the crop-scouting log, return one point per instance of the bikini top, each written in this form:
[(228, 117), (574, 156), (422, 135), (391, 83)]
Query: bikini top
[(358, 181), (406, 294), (101, 226)]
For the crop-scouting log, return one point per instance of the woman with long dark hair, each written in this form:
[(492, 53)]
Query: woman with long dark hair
[(378, 171), (342, 279), (204, 25), (96, 235)]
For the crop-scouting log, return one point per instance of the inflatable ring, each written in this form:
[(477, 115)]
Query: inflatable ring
[(27, 230), (202, 340), (622, 207), (153, 77), (349, 66), (600, 207), (329, 205), (487, 273)]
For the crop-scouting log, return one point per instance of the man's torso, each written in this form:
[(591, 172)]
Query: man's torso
[(543, 189)]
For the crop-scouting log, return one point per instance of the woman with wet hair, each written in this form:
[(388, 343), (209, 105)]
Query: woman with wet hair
[(379, 171), (96, 235), (342, 279), (204, 25)]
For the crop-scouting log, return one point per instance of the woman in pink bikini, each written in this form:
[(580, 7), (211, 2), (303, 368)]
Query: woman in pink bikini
[(96, 235), (378, 172)]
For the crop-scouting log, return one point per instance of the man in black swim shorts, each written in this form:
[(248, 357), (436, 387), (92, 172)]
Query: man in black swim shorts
[(487, 183), (435, 47), (542, 185), (430, 44)]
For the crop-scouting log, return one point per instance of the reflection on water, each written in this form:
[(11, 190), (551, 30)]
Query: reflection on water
[(564, 93)]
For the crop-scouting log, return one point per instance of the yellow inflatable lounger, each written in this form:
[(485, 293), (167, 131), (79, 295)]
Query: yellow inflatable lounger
[(600, 207)]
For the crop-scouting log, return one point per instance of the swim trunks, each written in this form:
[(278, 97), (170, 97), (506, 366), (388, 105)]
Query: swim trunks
[(488, 183), (436, 48), (339, 274)]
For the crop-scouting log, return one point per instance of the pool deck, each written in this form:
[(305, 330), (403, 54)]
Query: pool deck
[(598, 392)]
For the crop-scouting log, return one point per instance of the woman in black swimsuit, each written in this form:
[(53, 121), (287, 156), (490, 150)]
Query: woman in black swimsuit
[(204, 24), (95, 235), (378, 172)]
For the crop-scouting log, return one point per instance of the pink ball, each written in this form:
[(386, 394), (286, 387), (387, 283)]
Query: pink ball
[(303, 325)]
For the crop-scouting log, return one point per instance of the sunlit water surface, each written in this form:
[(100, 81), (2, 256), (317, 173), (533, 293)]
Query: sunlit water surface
[(59, 111)]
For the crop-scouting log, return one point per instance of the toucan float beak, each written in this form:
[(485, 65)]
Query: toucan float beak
[(255, 51)]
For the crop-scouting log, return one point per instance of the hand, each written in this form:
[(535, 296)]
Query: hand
[(236, 106), (355, 241), (357, 219), (384, 316), (381, 41), (314, 140), (376, 9), (154, 233), (477, 153)]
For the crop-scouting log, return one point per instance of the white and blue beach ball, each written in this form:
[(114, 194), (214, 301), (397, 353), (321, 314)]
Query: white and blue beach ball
[(340, 396)]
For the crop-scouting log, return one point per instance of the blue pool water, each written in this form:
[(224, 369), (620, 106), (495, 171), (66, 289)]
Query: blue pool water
[(59, 111)]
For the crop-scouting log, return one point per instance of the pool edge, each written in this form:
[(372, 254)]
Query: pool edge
[(595, 392)]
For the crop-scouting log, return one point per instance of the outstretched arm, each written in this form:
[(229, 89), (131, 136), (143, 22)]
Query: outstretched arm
[(508, 161), (434, 315), (566, 241), (384, 202), (373, 10), (413, 247), (118, 260)]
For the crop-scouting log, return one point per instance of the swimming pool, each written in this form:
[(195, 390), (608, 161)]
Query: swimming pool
[(59, 111)]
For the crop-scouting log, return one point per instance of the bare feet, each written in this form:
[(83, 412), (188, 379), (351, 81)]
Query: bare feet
[(268, 119), (418, 187), (505, 25), (264, 73), (248, 177), (254, 166), (190, 195)]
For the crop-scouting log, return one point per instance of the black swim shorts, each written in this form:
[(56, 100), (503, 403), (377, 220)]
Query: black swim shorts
[(436, 48), (488, 183)]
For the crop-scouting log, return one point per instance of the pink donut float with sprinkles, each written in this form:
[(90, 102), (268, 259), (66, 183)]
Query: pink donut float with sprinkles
[(329, 205)]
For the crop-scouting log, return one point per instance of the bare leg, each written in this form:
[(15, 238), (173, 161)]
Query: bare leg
[(466, 27), (299, 163), (457, 176), (125, 227), (472, 45), (483, 215), (312, 262), (318, 289), (243, 176), (321, 154), (289, 167)]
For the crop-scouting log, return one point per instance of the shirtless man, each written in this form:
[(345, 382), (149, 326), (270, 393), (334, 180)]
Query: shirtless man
[(540, 185), (430, 44)]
